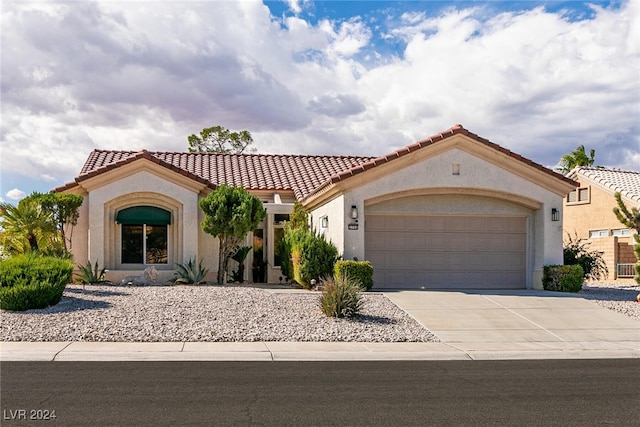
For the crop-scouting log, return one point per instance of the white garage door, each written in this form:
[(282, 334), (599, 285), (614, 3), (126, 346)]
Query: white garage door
[(439, 252)]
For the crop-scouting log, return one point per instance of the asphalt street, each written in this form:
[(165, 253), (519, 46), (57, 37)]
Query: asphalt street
[(411, 393)]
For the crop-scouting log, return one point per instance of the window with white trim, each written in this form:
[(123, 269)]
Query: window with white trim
[(594, 234), (621, 232)]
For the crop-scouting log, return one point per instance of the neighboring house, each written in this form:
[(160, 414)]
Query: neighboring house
[(450, 211), (588, 214)]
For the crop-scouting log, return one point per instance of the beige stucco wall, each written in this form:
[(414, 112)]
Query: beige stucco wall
[(334, 210), (428, 186), (97, 235), (597, 214)]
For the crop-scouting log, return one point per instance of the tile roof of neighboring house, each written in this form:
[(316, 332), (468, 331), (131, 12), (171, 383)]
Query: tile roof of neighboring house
[(625, 182), (302, 174)]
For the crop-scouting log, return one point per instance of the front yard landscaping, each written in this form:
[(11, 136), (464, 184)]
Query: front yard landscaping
[(205, 313)]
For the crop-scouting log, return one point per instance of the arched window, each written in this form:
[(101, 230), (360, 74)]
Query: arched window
[(144, 235)]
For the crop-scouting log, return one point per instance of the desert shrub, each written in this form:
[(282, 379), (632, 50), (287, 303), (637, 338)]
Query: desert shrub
[(298, 221), (341, 297), (31, 281), (564, 278), (190, 273), (90, 274), (576, 252), (360, 271), (35, 268), (25, 297), (312, 257)]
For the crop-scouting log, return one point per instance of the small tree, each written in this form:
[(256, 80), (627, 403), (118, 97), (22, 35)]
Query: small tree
[(26, 227), (63, 209), (230, 213), (218, 139), (631, 219)]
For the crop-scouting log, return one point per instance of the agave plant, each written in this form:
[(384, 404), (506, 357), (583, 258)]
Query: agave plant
[(189, 273), (91, 274)]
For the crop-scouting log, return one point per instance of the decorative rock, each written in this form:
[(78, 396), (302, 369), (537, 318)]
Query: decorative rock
[(149, 277), (205, 313)]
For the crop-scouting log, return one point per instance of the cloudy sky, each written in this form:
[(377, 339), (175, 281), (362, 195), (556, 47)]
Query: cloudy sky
[(313, 77)]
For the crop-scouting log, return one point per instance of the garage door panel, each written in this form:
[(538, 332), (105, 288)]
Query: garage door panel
[(447, 251), (476, 224), (415, 278), (396, 241), (416, 260), (456, 224), (415, 223), (375, 240), (395, 260), (515, 242), (435, 224), (395, 223), (375, 223), (436, 241), (416, 241)]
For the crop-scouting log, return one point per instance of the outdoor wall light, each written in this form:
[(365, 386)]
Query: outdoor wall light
[(555, 214), (324, 222), (354, 212)]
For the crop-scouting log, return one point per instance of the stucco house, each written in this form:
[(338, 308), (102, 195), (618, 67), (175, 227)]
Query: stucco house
[(450, 211), (588, 214)]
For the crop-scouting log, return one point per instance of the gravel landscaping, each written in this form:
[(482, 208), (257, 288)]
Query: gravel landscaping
[(234, 313), (205, 313), (614, 296)]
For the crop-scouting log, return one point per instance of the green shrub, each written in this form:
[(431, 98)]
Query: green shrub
[(360, 271), (341, 297), (189, 273), (576, 252), (26, 297), (312, 257), (90, 274), (564, 278), (35, 268), (31, 281)]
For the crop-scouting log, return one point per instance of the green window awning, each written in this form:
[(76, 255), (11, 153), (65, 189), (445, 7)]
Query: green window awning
[(149, 215)]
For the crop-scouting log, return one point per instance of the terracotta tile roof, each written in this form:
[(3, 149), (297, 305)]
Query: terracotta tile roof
[(298, 173), (304, 175), (625, 182)]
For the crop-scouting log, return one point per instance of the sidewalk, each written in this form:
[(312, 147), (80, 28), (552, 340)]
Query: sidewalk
[(312, 351), (472, 325)]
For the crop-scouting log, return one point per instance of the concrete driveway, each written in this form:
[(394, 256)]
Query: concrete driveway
[(518, 320)]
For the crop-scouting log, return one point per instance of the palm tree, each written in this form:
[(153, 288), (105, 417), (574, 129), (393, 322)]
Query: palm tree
[(577, 157), (26, 227)]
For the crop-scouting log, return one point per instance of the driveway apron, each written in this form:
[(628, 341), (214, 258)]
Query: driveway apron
[(526, 316)]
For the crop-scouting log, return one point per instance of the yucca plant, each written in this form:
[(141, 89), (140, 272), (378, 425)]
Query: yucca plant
[(91, 274), (341, 297), (190, 273)]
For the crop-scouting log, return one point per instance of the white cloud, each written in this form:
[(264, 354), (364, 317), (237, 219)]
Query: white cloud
[(15, 194), (113, 75)]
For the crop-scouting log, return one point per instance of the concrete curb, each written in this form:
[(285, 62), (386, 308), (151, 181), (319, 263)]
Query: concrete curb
[(311, 351)]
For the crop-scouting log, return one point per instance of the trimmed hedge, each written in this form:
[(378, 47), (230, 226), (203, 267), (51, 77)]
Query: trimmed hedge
[(31, 281), (564, 278), (360, 271)]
